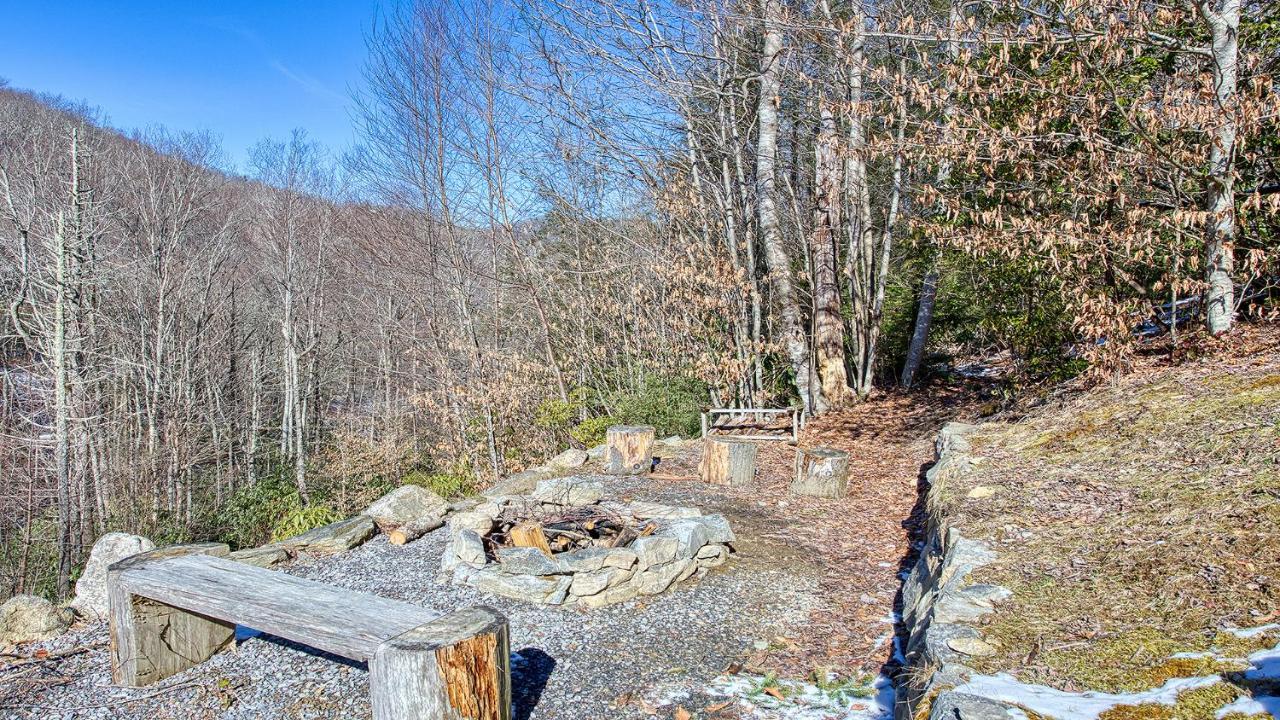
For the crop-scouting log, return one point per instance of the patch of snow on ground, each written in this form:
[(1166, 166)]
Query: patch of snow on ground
[(805, 701), (1266, 665), (1253, 631), (1259, 705), (1265, 668), (1075, 706)]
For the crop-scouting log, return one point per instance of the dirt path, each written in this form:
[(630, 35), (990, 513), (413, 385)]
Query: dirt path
[(857, 545)]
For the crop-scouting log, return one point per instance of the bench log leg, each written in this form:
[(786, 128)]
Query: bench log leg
[(457, 667), (151, 640)]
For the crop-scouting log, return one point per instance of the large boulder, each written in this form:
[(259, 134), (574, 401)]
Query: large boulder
[(406, 504), (91, 588), (572, 491), (27, 618), (569, 459), (332, 538), (522, 483)]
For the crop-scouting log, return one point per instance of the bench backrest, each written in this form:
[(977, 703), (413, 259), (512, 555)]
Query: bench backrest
[(343, 622)]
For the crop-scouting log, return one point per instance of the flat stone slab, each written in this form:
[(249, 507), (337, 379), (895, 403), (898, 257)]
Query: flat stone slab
[(334, 537), (264, 557), (406, 504), (573, 492)]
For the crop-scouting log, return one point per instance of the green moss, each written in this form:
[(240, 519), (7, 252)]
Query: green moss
[(1198, 704), (1146, 711), (1130, 661)]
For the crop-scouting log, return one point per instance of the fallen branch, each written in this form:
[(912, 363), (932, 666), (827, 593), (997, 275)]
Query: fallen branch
[(50, 656)]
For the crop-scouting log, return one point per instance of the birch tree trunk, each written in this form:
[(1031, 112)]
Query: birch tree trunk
[(790, 328), (861, 261), (62, 402), (1223, 20), (920, 334)]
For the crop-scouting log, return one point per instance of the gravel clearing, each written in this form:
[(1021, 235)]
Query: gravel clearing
[(621, 661)]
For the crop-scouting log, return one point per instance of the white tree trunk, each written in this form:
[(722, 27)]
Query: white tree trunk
[(1223, 19), (790, 327)]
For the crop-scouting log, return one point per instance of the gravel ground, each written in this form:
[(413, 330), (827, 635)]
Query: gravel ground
[(623, 661)]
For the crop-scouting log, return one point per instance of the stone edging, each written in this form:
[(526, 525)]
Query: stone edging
[(939, 607)]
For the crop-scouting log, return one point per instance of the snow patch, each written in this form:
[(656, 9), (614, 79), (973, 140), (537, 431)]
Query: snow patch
[(1253, 631), (1075, 706), (1266, 665), (1258, 705)]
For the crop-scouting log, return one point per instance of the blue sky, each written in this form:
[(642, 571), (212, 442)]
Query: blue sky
[(242, 69)]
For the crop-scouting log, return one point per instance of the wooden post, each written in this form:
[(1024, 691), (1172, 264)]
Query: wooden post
[(726, 461), (630, 449), (822, 472), (457, 667)]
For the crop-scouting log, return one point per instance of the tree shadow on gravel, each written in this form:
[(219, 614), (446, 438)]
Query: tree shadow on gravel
[(530, 669)]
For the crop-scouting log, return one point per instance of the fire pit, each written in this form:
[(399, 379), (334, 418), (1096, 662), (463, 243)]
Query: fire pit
[(565, 544)]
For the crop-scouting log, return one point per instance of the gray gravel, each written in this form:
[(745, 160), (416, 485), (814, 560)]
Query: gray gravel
[(567, 663)]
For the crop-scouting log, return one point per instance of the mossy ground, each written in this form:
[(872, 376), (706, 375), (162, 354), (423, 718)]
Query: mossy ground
[(1136, 523)]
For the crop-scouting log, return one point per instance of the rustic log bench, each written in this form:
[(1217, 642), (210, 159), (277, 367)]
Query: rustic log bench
[(171, 613)]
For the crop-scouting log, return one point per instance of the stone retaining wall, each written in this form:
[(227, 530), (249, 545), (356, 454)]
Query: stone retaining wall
[(940, 606)]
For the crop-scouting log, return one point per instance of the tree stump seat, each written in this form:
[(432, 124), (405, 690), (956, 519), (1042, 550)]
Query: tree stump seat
[(821, 472), (728, 461), (630, 449), (171, 613)]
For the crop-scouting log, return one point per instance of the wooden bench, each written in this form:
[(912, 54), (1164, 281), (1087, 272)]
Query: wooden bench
[(171, 613)]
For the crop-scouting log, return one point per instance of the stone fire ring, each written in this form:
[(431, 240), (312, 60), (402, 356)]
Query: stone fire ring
[(685, 541)]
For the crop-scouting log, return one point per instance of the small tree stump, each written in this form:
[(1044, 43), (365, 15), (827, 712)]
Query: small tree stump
[(728, 462), (411, 531), (822, 472), (630, 449)]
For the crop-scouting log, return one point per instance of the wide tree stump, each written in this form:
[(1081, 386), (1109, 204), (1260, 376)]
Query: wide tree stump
[(726, 461), (454, 668), (822, 472), (630, 449)]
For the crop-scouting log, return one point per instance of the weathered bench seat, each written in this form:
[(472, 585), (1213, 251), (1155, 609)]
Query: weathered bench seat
[(171, 613)]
